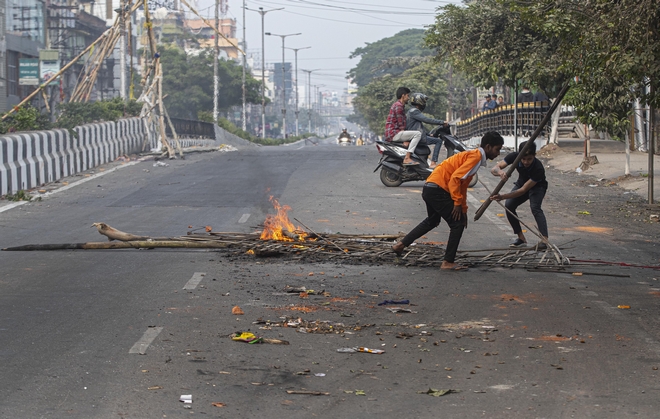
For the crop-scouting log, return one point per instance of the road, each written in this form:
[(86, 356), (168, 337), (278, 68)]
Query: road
[(125, 333)]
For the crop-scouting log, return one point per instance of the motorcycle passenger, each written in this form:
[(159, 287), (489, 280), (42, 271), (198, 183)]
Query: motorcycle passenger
[(395, 126), (415, 120)]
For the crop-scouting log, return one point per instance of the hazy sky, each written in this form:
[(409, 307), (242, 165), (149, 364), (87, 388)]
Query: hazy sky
[(333, 28)]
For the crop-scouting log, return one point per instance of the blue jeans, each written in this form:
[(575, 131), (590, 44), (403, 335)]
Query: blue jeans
[(437, 144), (535, 196)]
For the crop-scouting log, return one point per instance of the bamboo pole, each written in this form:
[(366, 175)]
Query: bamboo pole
[(209, 24), (62, 70), (161, 111), (513, 165), (139, 244)]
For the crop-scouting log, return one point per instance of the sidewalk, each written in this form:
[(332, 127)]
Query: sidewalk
[(611, 164)]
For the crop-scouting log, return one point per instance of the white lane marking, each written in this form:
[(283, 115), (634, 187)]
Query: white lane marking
[(194, 281), (243, 218), (141, 345), (12, 205), (69, 186)]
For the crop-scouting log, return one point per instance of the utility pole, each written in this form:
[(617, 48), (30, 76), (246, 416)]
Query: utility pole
[(216, 50), (122, 50), (309, 99), (263, 12), (244, 114), (283, 80), (295, 50)]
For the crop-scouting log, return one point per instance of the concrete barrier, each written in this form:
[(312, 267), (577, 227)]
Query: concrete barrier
[(31, 159)]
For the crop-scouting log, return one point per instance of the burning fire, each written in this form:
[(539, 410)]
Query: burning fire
[(277, 226)]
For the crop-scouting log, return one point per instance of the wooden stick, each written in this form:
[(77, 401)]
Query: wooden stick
[(139, 244), (322, 238)]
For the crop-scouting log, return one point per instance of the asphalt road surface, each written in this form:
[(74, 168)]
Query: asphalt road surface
[(126, 333)]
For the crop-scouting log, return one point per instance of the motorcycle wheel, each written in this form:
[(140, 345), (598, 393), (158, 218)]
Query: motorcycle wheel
[(390, 179), (474, 180)]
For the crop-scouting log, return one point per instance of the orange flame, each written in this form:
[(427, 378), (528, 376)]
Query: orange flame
[(274, 225)]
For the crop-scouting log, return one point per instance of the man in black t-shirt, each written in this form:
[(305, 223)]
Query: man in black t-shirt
[(531, 184)]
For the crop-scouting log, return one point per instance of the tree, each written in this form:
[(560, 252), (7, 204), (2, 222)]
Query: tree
[(489, 42), (407, 44), (612, 49), (188, 83)]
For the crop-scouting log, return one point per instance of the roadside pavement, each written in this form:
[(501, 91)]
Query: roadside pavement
[(568, 155)]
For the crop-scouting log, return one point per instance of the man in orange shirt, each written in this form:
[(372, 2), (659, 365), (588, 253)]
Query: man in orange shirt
[(445, 195)]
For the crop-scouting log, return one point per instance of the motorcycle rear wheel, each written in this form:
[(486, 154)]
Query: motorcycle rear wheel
[(474, 180), (390, 179)]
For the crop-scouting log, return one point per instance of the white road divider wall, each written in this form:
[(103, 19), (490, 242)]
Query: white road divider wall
[(30, 159)]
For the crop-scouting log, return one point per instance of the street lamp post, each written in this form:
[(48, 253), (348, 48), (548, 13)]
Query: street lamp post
[(263, 12), (309, 99), (283, 80), (295, 50)]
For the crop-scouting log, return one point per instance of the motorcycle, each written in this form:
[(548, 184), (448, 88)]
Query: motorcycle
[(393, 173)]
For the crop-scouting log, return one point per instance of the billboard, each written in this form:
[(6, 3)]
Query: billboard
[(28, 71)]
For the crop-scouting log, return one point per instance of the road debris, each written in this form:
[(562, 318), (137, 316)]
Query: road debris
[(309, 392), (394, 302), (187, 400), (237, 311), (219, 404), (251, 338), (437, 393), (623, 307), (360, 349), (400, 310)]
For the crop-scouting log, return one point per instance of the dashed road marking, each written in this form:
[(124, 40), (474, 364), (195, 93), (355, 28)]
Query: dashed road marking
[(194, 281), (243, 218), (141, 345)]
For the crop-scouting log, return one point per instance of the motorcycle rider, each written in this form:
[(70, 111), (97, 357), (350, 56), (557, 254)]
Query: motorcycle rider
[(415, 120)]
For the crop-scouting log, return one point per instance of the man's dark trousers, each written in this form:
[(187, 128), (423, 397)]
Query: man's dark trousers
[(535, 196), (439, 205)]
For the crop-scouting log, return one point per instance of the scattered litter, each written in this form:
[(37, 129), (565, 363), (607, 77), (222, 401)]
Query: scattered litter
[(654, 217), (360, 349), (319, 374), (584, 213), (623, 307), (400, 310), (437, 393), (577, 274), (393, 302), (154, 388), (360, 393), (252, 338), (315, 326), (161, 164), (237, 311), (310, 392), (219, 404), (592, 186), (186, 398), (578, 170), (246, 337)]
